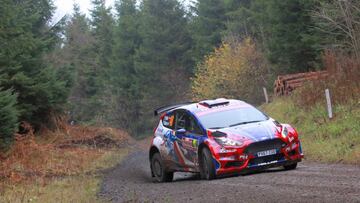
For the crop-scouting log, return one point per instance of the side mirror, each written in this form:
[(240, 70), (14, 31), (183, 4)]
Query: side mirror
[(181, 131)]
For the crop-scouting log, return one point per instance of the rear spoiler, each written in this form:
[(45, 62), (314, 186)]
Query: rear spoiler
[(170, 107)]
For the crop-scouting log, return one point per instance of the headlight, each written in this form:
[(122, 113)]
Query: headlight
[(284, 132), (227, 142)]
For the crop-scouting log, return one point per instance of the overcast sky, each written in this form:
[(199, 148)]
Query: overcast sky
[(65, 7)]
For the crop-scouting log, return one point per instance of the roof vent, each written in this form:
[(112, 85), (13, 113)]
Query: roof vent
[(213, 103)]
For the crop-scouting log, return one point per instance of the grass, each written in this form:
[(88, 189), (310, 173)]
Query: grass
[(50, 168), (81, 187), (323, 139)]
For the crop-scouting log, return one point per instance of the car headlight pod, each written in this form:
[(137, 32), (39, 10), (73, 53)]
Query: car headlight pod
[(284, 132), (224, 141)]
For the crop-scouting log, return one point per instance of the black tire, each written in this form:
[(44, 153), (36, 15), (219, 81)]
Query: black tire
[(290, 167), (207, 167), (158, 170)]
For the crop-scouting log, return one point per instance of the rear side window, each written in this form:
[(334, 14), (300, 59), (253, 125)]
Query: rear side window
[(168, 121)]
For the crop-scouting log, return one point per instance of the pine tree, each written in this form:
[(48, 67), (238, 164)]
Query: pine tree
[(284, 29), (8, 118), (238, 15), (78, 54), (208, 26), (126, 42), (25, 39), (161, 59), (290, 44), (102, 24)]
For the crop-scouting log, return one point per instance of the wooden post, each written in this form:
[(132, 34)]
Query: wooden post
[(328, 101), (266, 95)]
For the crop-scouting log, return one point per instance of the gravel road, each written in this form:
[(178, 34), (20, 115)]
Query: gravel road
[(130, 181)]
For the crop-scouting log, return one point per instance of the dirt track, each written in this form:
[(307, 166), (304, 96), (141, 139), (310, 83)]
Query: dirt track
[(130, 181)]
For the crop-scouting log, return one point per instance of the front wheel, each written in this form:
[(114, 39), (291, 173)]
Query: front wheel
[(290, 167), (207, 167), (158, 170)]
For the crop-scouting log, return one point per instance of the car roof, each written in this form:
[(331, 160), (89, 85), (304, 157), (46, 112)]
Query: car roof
[(211, 105)]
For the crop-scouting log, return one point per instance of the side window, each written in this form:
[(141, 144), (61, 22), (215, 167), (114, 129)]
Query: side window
[(168, 121), (181, 119), (187, 122), (194, 127)]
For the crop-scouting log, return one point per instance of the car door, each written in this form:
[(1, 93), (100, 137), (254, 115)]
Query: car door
[(167, 132), (189, 135)]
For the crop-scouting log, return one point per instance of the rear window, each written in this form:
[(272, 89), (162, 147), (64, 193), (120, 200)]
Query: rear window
[(227, 118), (168, 121)]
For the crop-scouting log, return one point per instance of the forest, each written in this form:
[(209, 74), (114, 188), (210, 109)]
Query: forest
[(114, 67)]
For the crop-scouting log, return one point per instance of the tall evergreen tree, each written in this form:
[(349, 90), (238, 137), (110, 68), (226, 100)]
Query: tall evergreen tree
[(8, 118), (284, 28), (126, 42), (238, 15), (160, 58), (289, 24), (25, 38), (208, 25), (78, 53), (102, 23)]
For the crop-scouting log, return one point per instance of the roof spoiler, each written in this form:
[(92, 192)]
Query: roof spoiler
[(170, 107)]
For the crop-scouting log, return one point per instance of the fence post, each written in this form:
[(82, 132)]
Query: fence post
[(266, 95), (328, 101)]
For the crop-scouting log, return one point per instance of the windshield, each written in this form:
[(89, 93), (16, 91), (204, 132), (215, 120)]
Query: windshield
[(232, 117)]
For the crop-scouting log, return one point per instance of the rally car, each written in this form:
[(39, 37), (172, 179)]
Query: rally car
[(219, 137)]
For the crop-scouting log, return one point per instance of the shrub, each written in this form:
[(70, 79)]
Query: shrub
[(234, 70), (343, 81), (8, 118)]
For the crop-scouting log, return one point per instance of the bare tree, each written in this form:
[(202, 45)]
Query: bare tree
[(341, 18)]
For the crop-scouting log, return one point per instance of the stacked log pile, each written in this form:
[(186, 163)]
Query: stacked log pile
[(285, 84)]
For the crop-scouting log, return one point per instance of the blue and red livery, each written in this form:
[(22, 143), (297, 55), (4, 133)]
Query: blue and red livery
[(218, 137)]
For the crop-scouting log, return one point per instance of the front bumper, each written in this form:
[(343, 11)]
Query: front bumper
[(241, 160)]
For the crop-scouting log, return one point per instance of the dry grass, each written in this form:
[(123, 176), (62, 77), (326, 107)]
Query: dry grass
[(343, 81), (60, 166)]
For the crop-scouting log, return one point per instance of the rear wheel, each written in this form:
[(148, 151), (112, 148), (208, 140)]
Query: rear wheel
[(207, 167), (158, 170), (290, 167)]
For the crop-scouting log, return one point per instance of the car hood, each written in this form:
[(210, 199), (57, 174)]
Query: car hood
[(253, 131)]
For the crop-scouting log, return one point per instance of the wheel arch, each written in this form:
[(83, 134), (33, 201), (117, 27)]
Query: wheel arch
[(153, 150), (200, 148)]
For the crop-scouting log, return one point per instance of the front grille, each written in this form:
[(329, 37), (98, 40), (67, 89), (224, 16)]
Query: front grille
[(266, 159), (264, 145), (234, 164)]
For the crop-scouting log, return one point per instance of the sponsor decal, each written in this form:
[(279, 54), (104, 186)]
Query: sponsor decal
[(159, 129), (267, 163), (243, 157), (189, 143)]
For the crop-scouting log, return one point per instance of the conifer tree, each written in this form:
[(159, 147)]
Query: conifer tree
[(25, 38), (102, 27), (208, 26), (126, 42), (160, 60), (78, 53), (8, 118)]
